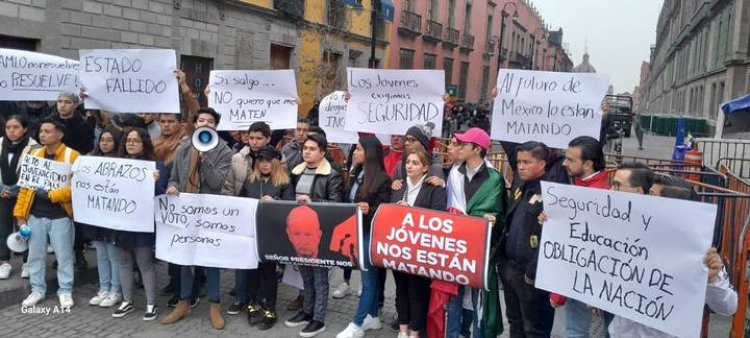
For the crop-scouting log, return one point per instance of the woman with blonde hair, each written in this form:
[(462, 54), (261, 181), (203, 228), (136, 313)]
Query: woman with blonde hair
[(268, 181)]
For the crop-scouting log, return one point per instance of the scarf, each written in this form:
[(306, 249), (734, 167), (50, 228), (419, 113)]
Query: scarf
[(194, 176), (8, 168), (164, 148)]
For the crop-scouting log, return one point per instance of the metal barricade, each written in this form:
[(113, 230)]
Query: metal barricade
[(734, 154)]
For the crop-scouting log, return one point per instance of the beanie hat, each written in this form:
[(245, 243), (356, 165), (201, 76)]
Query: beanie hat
[(422, 133)]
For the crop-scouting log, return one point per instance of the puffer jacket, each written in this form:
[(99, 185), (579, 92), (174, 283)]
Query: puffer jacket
[(328, 186), (60, 195), (242, 165)]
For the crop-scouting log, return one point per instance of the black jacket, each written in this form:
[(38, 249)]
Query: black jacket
[(429, 197), (79, 135), (260, 188), (523, 233), (381, 195), (328, 186)]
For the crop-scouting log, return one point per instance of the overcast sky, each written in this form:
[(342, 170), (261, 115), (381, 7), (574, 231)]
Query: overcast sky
[(619, 34)]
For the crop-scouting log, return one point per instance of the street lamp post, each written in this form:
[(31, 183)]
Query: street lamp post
[(503, 15), (373, 38), (533, 44)]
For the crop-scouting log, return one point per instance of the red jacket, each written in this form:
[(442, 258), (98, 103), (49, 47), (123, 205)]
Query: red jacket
[(599, 180)]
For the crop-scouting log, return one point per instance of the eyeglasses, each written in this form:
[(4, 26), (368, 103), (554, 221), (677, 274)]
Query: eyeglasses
[(133, 141)]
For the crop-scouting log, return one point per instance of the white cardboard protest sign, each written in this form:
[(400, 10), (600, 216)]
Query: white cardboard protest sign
[(130, 80), (392, 101), (243, 97), (35, 76), (549, 107), (332, 117), (41, 173), (114, 193), (206, 230), (637, 256)]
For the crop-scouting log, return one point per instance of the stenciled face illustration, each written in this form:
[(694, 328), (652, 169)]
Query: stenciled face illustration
[(303, 230)]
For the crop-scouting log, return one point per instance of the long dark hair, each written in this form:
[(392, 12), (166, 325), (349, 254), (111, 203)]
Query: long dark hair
[(373, 166), (116, 135), (148, 147)]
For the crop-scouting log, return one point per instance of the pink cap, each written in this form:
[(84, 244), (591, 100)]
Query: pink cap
[(476, 136)]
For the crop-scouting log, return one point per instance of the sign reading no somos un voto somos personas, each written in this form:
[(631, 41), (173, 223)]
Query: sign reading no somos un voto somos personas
[(34, 76), (206, 230), (627, 254), (549, 107)]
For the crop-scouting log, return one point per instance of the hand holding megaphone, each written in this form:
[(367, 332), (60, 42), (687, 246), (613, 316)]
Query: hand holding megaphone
[(18, 241)]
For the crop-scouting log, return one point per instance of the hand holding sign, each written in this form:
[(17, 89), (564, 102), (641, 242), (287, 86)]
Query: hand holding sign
[(607, 249)]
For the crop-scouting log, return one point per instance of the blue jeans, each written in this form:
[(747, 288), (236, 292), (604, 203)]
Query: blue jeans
[(212, 283), (61, 234), (460, 320), (368, 302), (108, 265), (240, 286), (577, 319)]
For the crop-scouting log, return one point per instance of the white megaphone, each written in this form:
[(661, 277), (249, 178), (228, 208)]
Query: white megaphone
[(19, 241), (205, 139)]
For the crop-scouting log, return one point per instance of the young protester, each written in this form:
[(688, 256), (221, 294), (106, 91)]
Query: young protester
[(476, 190), (199, 172), (527, 308), (79, 137), (107, 257), (138, 245), (315, 181), (48, 214), (292, 151), (16, 143), (369, 186), (267, 181), (721, 298), (413, 292)]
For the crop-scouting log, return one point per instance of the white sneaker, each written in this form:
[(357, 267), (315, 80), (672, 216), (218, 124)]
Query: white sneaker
[(33, 299), (371, 323), (342, 290), (100, 296), (66, 300), (111, 299), (5, 270), (25, 271), (50, 250), (351, 331)]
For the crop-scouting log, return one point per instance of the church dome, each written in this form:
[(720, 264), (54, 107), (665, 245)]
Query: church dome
[(585, 66)]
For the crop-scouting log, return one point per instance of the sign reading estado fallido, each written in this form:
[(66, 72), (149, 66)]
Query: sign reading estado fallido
[(243, 97), (114, 193), (637, 256), (130, 80), (391, 101), (549, 107), (206, 230)]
